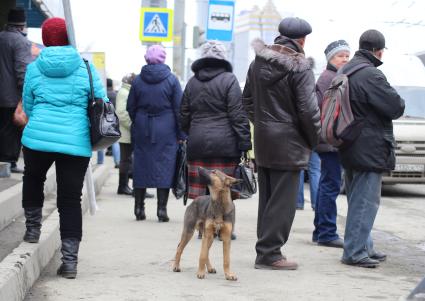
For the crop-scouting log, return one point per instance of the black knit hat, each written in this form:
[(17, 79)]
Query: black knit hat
[(372, 40), (294, 28), (16, 16)]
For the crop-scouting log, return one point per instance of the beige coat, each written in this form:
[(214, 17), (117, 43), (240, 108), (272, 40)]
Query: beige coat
[(125, 121)]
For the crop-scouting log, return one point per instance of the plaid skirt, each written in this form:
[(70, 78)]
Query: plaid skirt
[(225, 165)]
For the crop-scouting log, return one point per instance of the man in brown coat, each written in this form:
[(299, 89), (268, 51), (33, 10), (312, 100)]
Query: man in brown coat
[(280, 99)]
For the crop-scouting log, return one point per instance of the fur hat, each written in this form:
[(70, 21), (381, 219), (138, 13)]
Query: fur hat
[(53, 32), (213, 49), (294, 28), (335, 47), (155, 54), (128, 78), (372, 40), (16, 16)]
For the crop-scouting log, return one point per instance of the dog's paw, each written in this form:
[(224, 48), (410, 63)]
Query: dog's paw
[(231, 277), (200, 275), (212, 271), (176, 269)]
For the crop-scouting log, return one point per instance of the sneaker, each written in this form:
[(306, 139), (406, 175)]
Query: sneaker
[(281, 264), (363, 263), (337, 243), (379, 256)]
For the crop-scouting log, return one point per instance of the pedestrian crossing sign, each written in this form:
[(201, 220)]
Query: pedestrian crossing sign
[(156, 24)]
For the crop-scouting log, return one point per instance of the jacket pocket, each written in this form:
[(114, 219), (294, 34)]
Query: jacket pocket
[(391, 144)]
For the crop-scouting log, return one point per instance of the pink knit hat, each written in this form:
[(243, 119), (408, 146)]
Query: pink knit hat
[(155, 55)]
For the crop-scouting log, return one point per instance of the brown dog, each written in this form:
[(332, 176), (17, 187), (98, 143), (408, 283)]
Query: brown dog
[(210, 213)]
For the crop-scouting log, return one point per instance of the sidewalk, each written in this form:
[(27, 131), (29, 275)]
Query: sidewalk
[(121, 259)]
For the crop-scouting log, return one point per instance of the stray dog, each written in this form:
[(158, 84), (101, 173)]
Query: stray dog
[(210, 213)]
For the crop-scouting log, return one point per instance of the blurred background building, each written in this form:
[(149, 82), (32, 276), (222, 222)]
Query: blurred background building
[(251, 24)]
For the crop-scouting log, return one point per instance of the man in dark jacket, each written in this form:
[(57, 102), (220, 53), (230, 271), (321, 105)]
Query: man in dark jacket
[(15, 55), (280, 99), (376, 103)]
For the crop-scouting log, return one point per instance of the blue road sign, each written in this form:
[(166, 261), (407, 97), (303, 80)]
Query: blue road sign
[(221, 15), (156, 24)]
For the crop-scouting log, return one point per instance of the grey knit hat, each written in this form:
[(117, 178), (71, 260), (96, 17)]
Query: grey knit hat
[(213, 49), (335, 47)]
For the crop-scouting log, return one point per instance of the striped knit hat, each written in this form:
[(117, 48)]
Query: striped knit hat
[(335, 47)]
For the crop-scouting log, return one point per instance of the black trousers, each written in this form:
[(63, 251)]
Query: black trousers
[(126, 152), (70, 171), (276, 211), (10, 136)]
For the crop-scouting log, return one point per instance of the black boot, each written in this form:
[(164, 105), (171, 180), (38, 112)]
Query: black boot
[(33, 217), (139, 203), (68, 268), (162, 195), (123, 185)]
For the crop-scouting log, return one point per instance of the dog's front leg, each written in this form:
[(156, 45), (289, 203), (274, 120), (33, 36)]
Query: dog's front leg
[(226, 233), (210, 268), (207, 236)]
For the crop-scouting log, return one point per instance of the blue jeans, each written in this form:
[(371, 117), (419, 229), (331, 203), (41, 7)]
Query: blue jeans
[(363, 195), (115, 154), (329, 187), (314, 176)]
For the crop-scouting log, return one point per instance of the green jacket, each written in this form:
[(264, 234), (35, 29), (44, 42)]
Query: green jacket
[(121, 110)]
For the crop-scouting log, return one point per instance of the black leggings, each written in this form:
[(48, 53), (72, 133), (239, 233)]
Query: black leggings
[(126, 152), (70, 171)]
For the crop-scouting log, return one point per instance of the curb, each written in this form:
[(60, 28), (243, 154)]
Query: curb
[(21, 268), (11, 199)]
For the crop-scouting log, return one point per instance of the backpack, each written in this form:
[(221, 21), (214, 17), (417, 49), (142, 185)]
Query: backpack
[(339, 128)]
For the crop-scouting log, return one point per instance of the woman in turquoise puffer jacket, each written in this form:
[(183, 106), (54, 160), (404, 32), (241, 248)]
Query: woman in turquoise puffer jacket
[(55, 99)]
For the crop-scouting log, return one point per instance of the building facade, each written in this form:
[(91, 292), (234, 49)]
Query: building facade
[(255, 23)]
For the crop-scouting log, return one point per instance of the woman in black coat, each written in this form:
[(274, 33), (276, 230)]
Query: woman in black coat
[(213, 117)]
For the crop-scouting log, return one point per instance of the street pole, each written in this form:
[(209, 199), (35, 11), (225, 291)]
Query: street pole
[(89, 174), (69, 24), (179, 39)]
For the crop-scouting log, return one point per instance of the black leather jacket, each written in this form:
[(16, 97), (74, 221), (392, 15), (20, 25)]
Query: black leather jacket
[(280, 99)]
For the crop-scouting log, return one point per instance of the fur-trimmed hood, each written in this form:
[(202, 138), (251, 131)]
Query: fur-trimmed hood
[(207, 68), (283, 54)]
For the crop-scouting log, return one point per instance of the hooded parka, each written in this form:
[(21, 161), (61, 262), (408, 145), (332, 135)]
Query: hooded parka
[(212, 113), (55, 99)]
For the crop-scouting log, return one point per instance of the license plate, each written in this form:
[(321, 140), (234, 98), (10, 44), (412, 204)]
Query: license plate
[(409, 167)]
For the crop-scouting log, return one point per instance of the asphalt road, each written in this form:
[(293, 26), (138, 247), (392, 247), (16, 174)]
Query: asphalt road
[(121, 259)]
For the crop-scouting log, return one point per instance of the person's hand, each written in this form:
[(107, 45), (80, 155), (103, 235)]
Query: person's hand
[(181, 141)]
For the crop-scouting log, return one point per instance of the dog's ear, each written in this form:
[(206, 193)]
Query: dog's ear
[(204, 176), (232, 181)]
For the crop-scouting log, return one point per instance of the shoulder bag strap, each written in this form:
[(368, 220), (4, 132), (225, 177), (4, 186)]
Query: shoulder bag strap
[(355, 69), (90, 78)]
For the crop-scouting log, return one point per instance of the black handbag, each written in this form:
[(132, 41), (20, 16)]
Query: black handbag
[(180, 184), (104, 122), (245, 172)]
